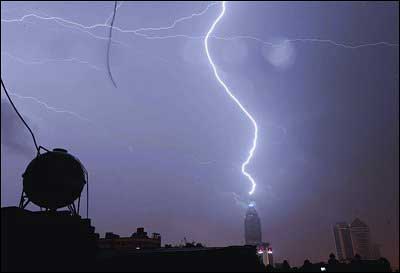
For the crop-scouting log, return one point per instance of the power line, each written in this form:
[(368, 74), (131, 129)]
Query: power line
[(109, 45), (22, 119)]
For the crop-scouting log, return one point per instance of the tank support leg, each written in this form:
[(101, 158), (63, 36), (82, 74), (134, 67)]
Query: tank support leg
[(24, 201)]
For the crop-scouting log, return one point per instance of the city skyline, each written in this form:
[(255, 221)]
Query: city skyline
[(164, 149)]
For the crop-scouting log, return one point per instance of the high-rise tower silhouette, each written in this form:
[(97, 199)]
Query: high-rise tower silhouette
[(252, 226), (361, 239), (343, 242)]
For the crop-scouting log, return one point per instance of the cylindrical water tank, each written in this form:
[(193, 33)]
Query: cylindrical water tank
[(54, 179)]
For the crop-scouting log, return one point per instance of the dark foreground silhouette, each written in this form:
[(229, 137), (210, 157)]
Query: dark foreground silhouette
[(45, 241), (333, 265), (58, 241)]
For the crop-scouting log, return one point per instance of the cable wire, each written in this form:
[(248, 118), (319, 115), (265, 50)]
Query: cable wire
[(19, 115), (109, 45)]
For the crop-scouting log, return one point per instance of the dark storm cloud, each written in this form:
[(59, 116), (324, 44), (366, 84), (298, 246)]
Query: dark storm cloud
[(14, 135)]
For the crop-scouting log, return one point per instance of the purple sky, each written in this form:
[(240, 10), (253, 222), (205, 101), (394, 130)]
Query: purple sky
[(164, 149)]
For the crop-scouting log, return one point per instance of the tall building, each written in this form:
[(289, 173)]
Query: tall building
[(375, 252), (361, 239), (343, 242), (252, 226)]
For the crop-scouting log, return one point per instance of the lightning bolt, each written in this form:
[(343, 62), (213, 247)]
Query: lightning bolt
[(45, 61), (67, 24), (61, 111), (44, 104), (327, 41), (86, 29), (251, 152), (50, 108), (171, 26), (139, 32), (281, 44)]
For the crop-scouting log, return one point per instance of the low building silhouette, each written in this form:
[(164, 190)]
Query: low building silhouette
[(138, 240), (56, 241), (187, 259), (334, 265), (46, 241)]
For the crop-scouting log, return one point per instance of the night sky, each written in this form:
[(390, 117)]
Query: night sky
[(164, 149)]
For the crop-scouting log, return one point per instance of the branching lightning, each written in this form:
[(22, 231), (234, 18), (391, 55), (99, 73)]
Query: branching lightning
[(150, 34), (141, 31), (45, 61), (315, 40), (86, 29), (251, 152), (50, 108), (176, 21)]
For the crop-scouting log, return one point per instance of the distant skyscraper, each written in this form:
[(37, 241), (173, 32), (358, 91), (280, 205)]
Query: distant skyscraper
[(344, 247), (375, 251), (361, 238), (252, 226)]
